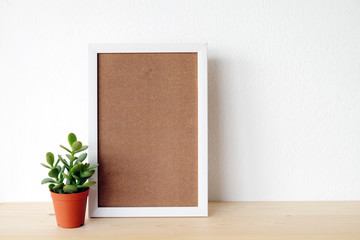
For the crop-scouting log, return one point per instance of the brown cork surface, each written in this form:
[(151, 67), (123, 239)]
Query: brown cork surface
[(147, 130)]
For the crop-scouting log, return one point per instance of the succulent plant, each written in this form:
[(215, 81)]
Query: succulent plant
[(75, 173)]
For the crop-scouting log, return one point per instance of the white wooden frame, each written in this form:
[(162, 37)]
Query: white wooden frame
[(202, 208)]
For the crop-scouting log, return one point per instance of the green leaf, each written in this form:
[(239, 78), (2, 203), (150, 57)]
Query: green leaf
[(70, 189), (61, 178), (82, 157), (65, 148), (87, 174), (58, 168), (53, 172), (51, 186), (57, 162), (60, 185), (66, 176), (81, 149), (50, 158), (82, 181), (44, 165), (71, 158), (48, 180), (93, 166), (88, 184), (71, 138), (76, 145), (68, 182), (75, 176), (77, 168), (64, 161)]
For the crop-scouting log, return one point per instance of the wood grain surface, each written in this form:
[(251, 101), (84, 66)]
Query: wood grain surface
[(227, 220)]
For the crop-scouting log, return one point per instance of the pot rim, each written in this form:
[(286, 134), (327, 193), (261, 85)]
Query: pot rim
[(70, 193), (70, 196)]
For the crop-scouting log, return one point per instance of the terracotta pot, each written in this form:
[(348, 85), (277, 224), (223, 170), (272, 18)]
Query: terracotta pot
[(70, 208)]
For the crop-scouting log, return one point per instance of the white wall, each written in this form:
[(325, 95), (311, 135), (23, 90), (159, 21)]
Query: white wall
[(284, 88)]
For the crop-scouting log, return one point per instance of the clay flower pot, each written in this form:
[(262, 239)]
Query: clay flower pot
[(70, 208)]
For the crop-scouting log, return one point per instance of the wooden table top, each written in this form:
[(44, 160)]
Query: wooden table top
[(227, 220)]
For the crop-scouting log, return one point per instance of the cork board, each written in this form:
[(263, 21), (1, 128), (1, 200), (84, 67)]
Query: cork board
[(147, 129)]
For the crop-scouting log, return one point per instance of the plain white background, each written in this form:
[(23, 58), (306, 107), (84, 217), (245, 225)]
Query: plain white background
[(284, 88)]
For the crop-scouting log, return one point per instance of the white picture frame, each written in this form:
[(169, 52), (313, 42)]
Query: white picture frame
[(202, 209)]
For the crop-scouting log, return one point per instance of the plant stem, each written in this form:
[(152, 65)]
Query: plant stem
[(73, 182)]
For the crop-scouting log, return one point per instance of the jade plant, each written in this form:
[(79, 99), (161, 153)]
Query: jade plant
[(73, 175)]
